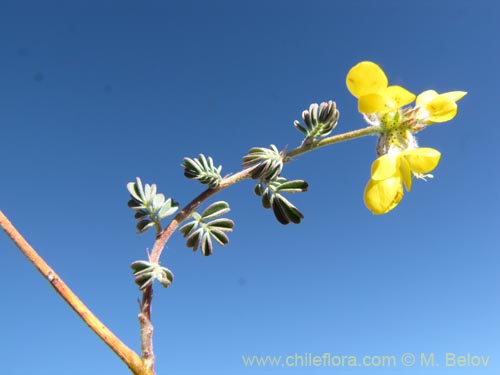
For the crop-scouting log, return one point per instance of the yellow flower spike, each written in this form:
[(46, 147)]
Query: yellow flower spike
[(422, 160), (382, 196), (366, 78)]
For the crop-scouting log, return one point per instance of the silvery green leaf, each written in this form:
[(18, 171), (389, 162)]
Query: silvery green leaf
[(144, 225), (215, 209), (206, 246), (203, 161), (140, 265), (146, 272), (193, 239), (219, 236), (168, 208), (203, 170), (158, 201), (285, 211), (313, 110), (222, 224), (294, 186), (191, 168), (320, 120), (165, 276), (186, 229), (147, 192), (135, 189), (134, 204), (151, 206), (279, 212), (269, 162), (144, 280), (266, 199), (140, 215), (258, 189), (300, 127)]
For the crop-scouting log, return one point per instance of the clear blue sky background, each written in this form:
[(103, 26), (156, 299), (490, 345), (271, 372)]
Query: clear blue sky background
[(95, 93)]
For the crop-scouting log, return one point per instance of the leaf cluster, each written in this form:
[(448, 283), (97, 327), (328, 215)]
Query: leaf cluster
[(271, 193), (145, 273), (319, 120), (268, 162), (204, 227), (150, 207), (203, 170)]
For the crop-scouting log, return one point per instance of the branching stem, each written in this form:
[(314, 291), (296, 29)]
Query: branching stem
[(145, 366), (163, 237)]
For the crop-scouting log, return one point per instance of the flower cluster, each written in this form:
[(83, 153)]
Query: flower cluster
[(397, 148)]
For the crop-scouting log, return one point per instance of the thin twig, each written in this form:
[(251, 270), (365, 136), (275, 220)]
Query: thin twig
[(126, 354)]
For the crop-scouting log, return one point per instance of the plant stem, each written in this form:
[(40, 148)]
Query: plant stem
[(127, 355), (162, 238), (145, 366), (369, 130)]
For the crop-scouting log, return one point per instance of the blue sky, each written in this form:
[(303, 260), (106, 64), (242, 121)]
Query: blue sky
[(93, 94)]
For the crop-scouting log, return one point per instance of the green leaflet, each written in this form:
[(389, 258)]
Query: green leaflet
[(204, 228), (151, 207), (268, 162), (203, 170), (145, 273), (319, 120), (271, 194)]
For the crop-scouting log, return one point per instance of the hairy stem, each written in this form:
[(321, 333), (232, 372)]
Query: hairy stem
[(127, 355), (369, 130), (147, 352), (163, 237)]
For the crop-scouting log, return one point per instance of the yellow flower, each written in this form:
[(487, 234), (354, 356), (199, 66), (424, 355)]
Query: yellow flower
[(390, 172), (434, 107), (400, 158), (368, 82)]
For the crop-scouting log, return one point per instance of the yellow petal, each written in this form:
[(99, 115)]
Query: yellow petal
[(397, 97), (440, 109), (371, 103), (385, 100), (386, 166), (365, 78), (426, 97), (405, 172), (455, 95), (382, 196), (422, 160)]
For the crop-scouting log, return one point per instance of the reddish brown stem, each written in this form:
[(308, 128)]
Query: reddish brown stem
[(162, 238)]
